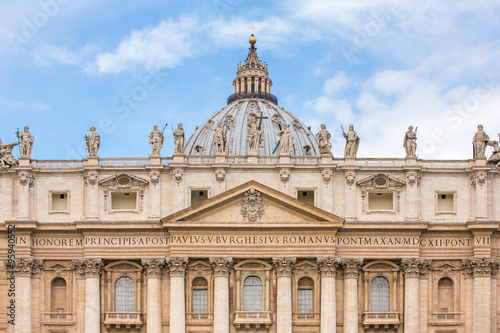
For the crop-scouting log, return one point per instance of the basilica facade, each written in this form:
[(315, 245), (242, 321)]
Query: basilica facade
[(251, 225)]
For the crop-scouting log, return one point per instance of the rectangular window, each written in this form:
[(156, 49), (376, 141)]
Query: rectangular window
[(445, 202), (306, 197), (59, 202), (380, 201), (198, 196), (305, 301), (200, 301), (124, 200)]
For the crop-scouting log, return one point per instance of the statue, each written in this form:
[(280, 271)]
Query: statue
[(219, 138), (480, 142), (179, 139), (352, 142), (285, 145), (254, 133), (27, 140), (93, 141), (156, 141), (323, 139), (495, 156), (410, 143), (7, 160)]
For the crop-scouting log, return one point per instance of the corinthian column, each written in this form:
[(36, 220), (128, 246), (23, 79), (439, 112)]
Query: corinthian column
[(284, 267), (177, 267), (328, 270), (153, 268), (412, 267), (23, 269), (351, 270), (221, 267), (90, 268), (481, 270)]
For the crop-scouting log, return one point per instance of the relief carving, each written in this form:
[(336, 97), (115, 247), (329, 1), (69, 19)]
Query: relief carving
[(220, 175), (284, 266), (326, 175), (328, 265), (154, 176), (177, 265), (252, 206), (90, 178), (88, 267), (350, 177), (482, 267), (177, 175), (413, 178), (351, 267), (221, 265), (414, 267), (26, 178), (284, 175), (153, 267)]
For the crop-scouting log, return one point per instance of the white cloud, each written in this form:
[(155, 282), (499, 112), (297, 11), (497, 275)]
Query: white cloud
[(335, 84), (8, 106)]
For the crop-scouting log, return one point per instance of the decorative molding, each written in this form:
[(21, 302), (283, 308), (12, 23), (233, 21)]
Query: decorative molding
[(350, 178), (24, 267), (327, 176), (285, 175), (220, 175), (351, 267), (284, 266), (414, 267), (153, 267), (177, 175), (154, 177), (413, 178), (90, 178), (25, 178), (177, 265), (478, 178), (481, 267), (221, 265), (252, 206), (328, 265), (467, 268), (88, 267)]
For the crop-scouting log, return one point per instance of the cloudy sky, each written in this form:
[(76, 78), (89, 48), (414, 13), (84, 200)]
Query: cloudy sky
[(123, 66)]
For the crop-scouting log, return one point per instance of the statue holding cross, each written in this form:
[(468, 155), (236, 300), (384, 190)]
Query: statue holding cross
[(254, 138)]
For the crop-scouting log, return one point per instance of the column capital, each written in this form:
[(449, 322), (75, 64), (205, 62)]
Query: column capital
[(351, 267), (177, 265), (414, 267), (467, 268), (284, 266), (88, 267), (24, 266), (153, 267), (221, 265), (480, 267), (328, 265)]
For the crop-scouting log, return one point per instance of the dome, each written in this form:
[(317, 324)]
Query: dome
[(236, 116), (252, 107)]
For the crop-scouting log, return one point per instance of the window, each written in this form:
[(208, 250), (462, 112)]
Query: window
[(198, 196), (124, 295), (305, 296), (306, 197), (379, 295), (200, 295), (58, 295), (124, 200), (380, 201), (445, 202), (445, 295), (252, 294), (59, 202)]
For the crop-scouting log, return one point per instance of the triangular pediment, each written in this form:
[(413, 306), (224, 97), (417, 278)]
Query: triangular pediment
[(253, 204)]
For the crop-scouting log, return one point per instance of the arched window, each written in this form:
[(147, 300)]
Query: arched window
[(58, 295), (124, 295), (379, 295), (305, 296), (200, 295), (445, 295), (252, 294)]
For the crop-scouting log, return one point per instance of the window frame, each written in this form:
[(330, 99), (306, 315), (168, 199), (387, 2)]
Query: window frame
[(378, 211), (307, 189), (68, 196), (115, 294), (381, 276), (437, 193), (114, 210)]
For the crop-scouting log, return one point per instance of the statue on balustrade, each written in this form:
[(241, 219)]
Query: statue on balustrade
[(410, 142), (323, 139), (480, 141), (156, 141), (93, 141), (352, 142), (7, 160), (27, 140), (179, 139)]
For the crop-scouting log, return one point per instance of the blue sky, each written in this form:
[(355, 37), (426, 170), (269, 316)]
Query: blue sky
[(124, 66)]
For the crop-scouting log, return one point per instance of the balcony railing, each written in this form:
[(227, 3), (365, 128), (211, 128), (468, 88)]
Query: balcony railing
[(251, 319), (57, 318), (305, 315), (446, 316), (244, 95), (199, 315), (123, 319), (381, 320)]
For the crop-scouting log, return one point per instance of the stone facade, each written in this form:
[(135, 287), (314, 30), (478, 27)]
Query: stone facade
[(261, 242)]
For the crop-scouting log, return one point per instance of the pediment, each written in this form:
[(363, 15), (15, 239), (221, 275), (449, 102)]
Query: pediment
[(380, 181), (253, 204), (123, 180)]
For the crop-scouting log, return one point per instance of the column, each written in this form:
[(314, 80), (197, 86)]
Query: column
[(26, 181), (284, 267), (412, 268), (221, 267), (92, 195), (22, 269), (155, 194), (351, 268), (424, 297), (412, 182), (177, 267), (249, 85), (90, 268), (153, 268), (328, 271), (481, 271)]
